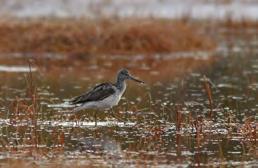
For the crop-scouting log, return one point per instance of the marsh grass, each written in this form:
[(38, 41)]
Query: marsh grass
[(25, 136), (241, 25), (39, 144), (24, 115), (86, 37), (207, 87)]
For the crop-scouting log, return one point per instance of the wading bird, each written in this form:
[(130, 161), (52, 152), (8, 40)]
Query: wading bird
[(105, 95)]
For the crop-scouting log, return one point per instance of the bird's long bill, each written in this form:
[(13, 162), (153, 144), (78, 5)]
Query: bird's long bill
[(136, 80)]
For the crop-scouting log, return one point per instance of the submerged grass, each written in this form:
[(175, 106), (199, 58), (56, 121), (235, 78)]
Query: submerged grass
[(105, 37), (154, 136), (23, 135), (36, 146)]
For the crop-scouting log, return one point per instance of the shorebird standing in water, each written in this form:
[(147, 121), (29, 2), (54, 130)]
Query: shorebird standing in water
[(105, 95)]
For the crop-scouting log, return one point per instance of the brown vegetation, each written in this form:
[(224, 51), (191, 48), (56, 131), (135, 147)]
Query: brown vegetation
[(108, 37), (239, 25)]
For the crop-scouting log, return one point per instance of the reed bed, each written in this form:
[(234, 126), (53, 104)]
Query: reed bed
[(103, 37)]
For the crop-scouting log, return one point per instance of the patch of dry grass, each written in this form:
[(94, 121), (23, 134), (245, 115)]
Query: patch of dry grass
[(106, 36), (239, 25)]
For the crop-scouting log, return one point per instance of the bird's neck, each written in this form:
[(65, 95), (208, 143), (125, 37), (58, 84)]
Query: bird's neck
[(120, 84)]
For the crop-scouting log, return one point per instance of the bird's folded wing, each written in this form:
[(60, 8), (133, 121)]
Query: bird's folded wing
[(98, 93)]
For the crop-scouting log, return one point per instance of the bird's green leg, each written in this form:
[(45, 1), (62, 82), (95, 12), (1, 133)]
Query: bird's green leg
[(112, 112), (77, 120), (113, 115), (95, 117)]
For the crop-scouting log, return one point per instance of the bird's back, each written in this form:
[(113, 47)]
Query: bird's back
[(98, 93)]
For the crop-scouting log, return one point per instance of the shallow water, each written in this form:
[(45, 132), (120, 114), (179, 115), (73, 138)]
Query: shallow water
[(169, 121)]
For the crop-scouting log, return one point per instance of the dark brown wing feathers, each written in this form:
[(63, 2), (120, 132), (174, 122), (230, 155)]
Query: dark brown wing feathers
[(99, 92)]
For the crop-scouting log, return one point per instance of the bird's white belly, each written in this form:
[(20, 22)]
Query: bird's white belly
[(109, 101), (102, 104)]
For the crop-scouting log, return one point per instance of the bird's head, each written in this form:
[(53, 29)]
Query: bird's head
[(124, 74)]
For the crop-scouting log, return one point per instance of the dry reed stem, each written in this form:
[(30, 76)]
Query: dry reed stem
[(178, 118), (207, 87)]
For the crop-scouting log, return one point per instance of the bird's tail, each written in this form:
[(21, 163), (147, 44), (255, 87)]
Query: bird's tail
[(60, 105), (76, 109)]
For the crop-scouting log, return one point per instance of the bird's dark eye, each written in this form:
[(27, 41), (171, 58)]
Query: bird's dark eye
[(124, 72)]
